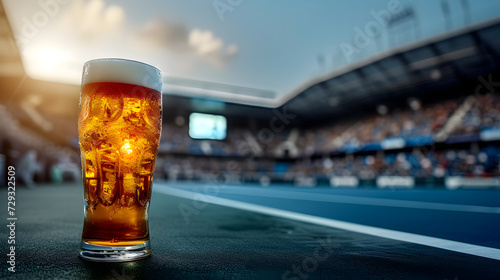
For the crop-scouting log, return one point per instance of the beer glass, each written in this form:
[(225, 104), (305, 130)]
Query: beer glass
[(119, 129)]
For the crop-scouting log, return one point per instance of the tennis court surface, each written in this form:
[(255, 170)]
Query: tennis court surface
[(210, 231)]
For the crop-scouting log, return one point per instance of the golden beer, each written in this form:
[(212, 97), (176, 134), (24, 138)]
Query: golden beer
[(119, 129)]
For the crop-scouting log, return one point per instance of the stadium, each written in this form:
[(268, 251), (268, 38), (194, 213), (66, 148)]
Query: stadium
[(314, 147)]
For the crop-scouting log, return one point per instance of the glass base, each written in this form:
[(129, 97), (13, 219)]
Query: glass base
[(97, 253)]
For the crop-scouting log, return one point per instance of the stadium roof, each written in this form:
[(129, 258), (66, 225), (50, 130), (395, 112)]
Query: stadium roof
[(439, 62)]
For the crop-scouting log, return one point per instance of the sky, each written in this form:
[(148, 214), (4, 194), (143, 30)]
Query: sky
[(270, 45)]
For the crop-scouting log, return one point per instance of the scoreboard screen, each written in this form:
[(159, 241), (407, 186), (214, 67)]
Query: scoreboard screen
[(207, 126)]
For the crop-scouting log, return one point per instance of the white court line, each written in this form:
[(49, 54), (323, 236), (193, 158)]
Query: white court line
[(364, 200), (435, 242)]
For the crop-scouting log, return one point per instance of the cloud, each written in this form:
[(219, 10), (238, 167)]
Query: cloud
[(93, 20), (205, 44), (162, 33), (175, 36)]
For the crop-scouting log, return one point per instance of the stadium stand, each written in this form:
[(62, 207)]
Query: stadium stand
[(401, 142), (37, 158)]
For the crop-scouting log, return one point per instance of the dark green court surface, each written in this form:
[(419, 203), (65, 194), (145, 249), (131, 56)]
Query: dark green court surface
[(217, 243)]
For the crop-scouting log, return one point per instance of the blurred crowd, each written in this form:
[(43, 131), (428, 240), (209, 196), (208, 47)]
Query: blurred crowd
[(35, 159), (317, 146), (240, 142), (259, 155), (484, 114), (415, 120), (419, 163)]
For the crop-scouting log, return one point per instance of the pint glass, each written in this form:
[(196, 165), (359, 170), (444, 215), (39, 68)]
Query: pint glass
[(119, 129)]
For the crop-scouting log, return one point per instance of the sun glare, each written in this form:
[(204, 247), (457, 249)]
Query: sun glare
[(46, 62)]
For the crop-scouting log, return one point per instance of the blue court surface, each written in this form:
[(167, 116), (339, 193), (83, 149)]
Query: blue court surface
[(210, 231), (465, 221)]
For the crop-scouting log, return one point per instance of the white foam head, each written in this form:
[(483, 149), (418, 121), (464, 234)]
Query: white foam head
[(121, 71)]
